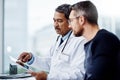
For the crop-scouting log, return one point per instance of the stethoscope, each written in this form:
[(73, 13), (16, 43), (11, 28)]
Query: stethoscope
[(65, 42)]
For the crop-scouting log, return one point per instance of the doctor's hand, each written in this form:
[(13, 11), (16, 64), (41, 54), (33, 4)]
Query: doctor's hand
[(25, 57), (39, 75)]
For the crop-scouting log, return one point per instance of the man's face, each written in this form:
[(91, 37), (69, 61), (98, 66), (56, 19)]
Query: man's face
[(75, 23), (60, 23)]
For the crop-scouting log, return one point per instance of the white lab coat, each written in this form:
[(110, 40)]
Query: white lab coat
[(68, 65)]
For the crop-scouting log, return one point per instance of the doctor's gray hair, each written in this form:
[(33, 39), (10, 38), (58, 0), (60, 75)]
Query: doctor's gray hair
[(64, 8)]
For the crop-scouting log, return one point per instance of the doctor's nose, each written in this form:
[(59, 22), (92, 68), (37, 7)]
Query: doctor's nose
[(55, 24)]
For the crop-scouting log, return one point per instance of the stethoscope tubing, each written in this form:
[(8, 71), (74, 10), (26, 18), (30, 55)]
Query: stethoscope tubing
[(65, 42)]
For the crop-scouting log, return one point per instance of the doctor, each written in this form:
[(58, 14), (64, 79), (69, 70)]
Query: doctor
[(66, 59)]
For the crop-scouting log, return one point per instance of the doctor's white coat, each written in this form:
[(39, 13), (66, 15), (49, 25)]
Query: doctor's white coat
[(66, 65)]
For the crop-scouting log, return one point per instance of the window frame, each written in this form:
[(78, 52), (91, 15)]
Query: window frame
[(1, 35)]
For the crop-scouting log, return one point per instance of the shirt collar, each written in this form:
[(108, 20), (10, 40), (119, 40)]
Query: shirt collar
[(66, 36)]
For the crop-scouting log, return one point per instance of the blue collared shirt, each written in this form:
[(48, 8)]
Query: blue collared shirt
[(66, 36)]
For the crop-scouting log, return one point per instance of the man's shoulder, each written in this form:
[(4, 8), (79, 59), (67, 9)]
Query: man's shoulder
[(105, 39), (105, 35)]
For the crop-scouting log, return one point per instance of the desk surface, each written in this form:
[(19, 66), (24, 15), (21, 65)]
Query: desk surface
[(14, 76)]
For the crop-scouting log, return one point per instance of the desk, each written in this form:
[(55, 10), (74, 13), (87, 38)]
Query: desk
[(15, 76)]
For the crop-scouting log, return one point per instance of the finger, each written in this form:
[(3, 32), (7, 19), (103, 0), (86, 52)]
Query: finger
[(22, 55), (32, 73), (26, 58)]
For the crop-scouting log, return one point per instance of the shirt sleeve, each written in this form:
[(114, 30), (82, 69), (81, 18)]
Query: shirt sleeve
[(31, 60), (41, 63)]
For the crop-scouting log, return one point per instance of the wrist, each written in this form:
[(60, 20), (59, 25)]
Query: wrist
[(31, 60), (30, 54)]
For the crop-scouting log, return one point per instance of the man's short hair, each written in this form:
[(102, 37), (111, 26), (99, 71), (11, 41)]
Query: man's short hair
[(86, 9), (64, 8)]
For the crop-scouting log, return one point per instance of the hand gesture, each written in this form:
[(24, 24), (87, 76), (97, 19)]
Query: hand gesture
[(39, 75), (25, 56)]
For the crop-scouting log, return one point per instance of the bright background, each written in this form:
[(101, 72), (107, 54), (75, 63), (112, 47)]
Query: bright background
[(28, 25)]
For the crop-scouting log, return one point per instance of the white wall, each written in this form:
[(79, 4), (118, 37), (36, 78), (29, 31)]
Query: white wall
[(1, 36)]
